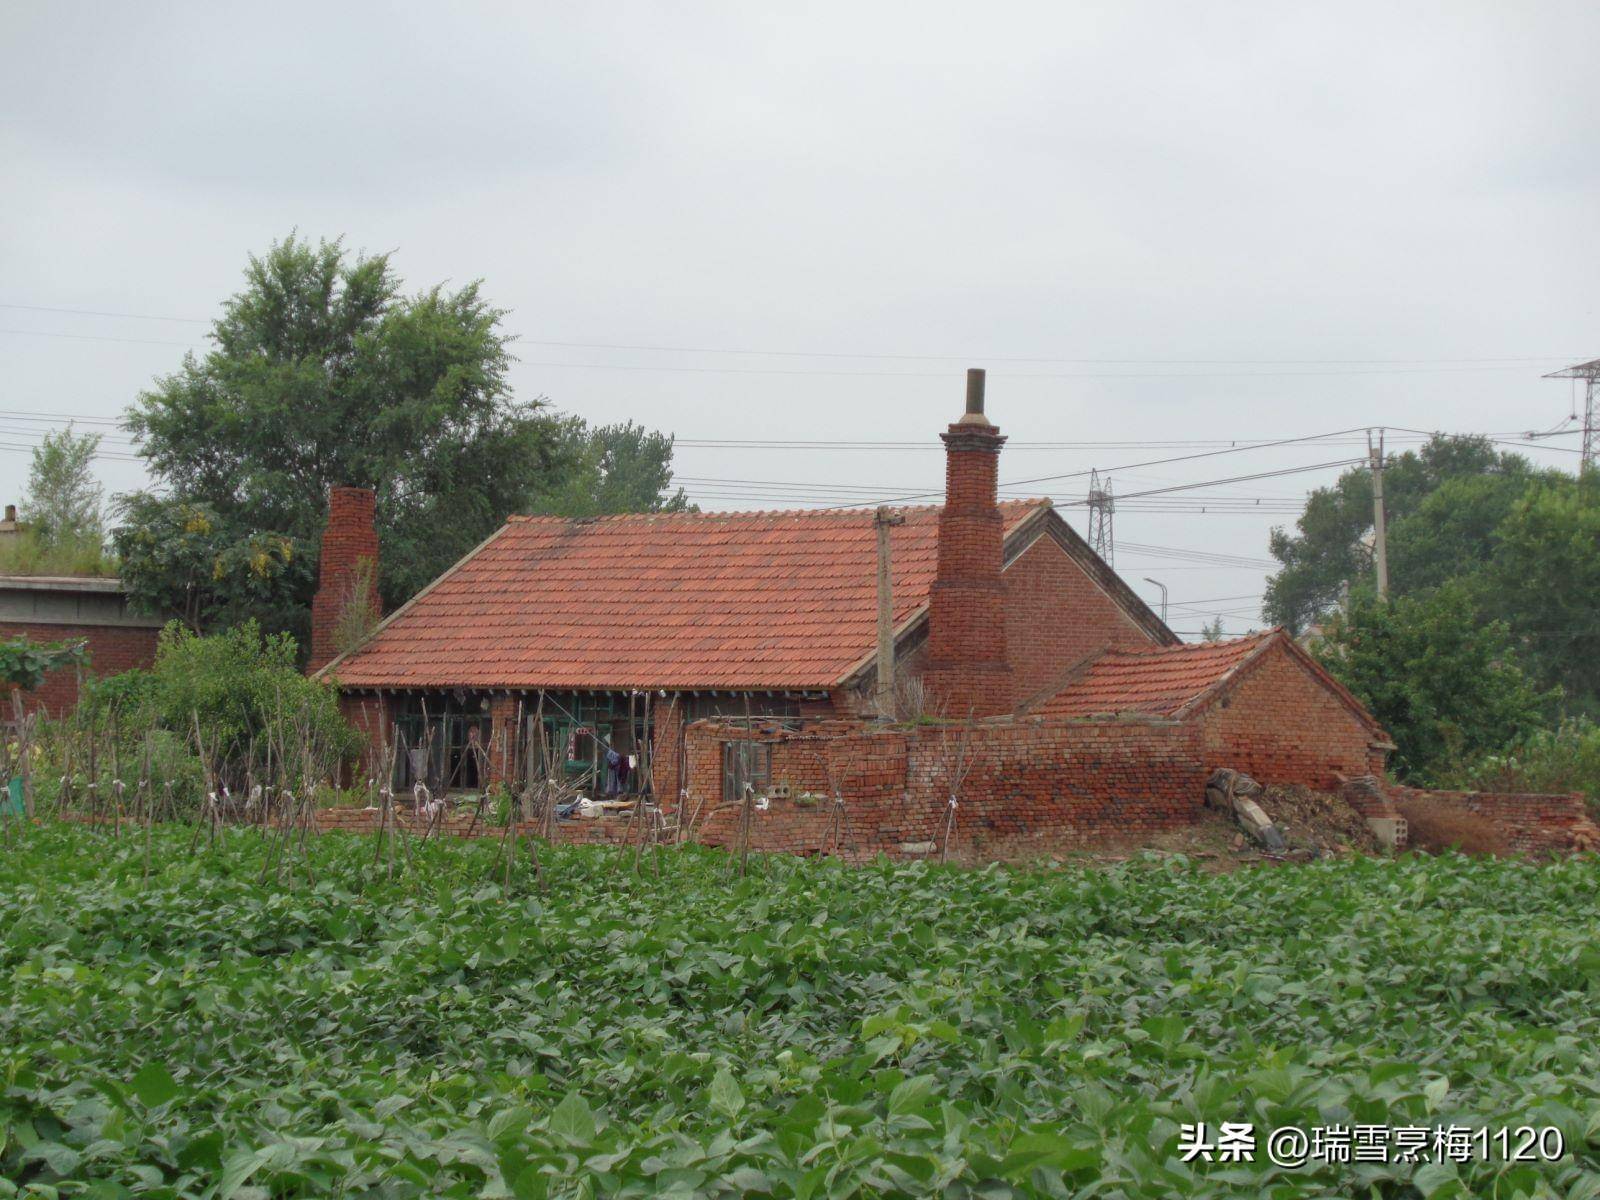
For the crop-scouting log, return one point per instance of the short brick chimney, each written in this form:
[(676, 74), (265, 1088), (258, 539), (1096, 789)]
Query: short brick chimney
[(967, 673), (350, 539)]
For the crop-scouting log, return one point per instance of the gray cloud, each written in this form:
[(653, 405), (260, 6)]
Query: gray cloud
[(1141, 182)]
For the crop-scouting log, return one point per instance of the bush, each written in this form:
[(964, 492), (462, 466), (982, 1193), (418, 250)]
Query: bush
[(27, 553), (1564, 759), (174, 768), (1445, 684), (240, 692)]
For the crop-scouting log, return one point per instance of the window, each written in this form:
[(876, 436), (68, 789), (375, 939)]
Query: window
[(745, 763)]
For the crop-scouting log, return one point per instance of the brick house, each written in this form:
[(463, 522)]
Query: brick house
[(74, 608), (623, 630), (1259, 704), (739, 649)]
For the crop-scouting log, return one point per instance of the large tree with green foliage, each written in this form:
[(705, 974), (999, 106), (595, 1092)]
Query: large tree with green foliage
[(1447, 685), (615, 469), (324, 372), (183, 559), (1544, 582), (1442, 501)]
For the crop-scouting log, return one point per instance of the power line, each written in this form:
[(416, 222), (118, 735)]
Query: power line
[(85, 337), (835, 374), (1155, 462), (92, 312), (659, 348), (932, 445)]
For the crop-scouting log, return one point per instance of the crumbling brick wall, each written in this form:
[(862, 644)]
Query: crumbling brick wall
[(1538, 825), (1030, 788), (1043, 787)]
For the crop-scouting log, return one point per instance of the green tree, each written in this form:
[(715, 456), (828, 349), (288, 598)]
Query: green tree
[(182, 558), (323, 373), (62, 504), (1331, 548), (616, 469), (1447, 685), (1544, 582)]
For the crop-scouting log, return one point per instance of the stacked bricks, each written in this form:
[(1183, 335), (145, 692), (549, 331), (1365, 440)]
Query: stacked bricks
[(1538, 825), (967, 673), (1049, 786), (350, 539), (112, 650)]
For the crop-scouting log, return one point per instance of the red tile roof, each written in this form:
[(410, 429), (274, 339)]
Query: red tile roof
[(1158, 682), (761, 600)]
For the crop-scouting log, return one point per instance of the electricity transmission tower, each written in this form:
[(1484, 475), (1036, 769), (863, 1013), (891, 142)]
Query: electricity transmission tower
[(1101, 509), (1589, 372)]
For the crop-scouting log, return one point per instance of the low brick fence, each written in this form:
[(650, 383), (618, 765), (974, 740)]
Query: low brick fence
[(1024, 789), (1531, 823)]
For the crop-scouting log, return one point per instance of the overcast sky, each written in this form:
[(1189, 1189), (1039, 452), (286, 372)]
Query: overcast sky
[(1157, 225)]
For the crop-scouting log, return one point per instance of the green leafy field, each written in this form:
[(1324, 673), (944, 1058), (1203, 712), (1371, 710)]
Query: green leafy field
[(811, 1030)]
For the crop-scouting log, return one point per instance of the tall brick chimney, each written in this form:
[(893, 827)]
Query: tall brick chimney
[(967, 672), (350, 539)]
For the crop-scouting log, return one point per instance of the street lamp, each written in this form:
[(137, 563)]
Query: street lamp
[(1163, 588)]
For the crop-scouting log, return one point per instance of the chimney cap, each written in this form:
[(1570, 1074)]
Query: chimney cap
[(974, 414)]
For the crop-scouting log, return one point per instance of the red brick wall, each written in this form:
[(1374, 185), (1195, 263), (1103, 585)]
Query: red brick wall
[(1032, 788), (1041, 787), (1055, 615), (1532, 824), (1280, 724), (349, 538), (112, 650), (369, 715)]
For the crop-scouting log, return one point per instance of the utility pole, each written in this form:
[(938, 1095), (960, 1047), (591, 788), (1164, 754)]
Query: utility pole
[(1101, 509), (1589, 372), (1380, 539), (884, 520)]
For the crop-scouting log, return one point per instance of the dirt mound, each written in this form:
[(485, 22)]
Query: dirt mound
[(1317, 821)]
